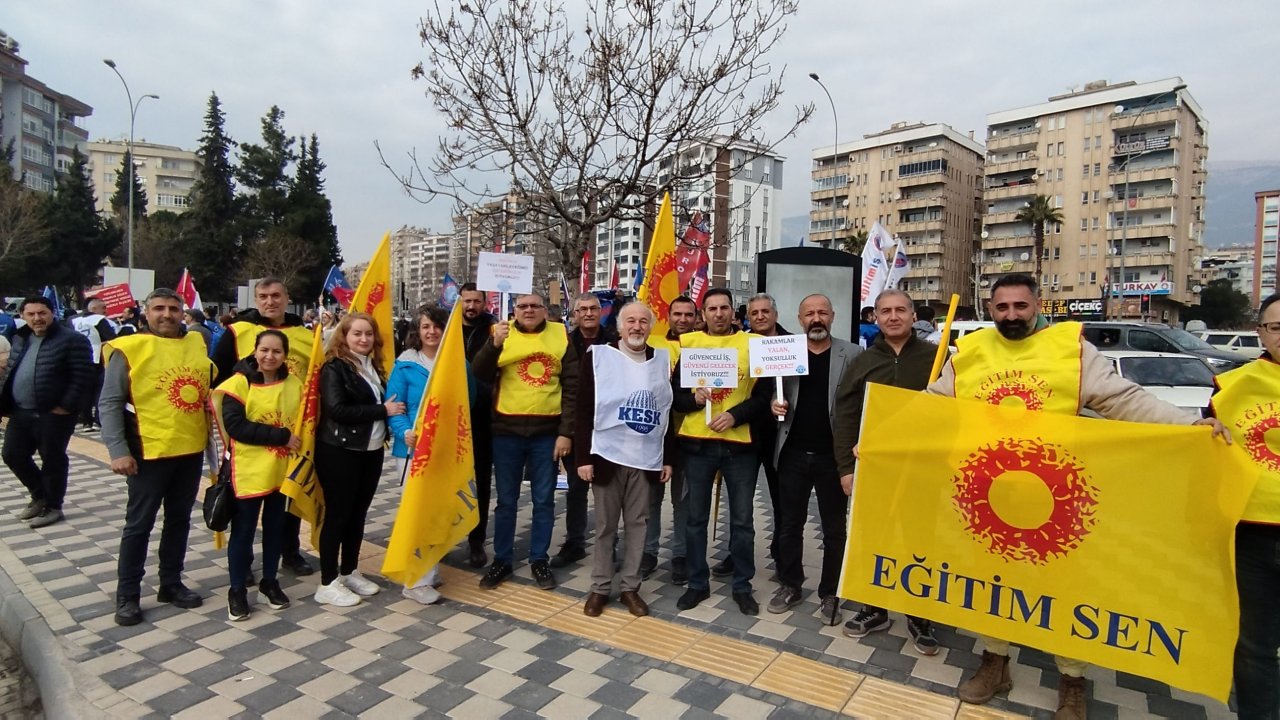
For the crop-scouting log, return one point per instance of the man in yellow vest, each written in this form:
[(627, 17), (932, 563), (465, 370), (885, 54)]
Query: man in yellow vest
[(723, 446), (1028, 362), (534, 369), (155, 427), (1246, 402), (271, 297)]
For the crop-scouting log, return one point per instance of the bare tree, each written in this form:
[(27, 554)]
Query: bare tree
[(284, 256), (587, 125), (23, 230)]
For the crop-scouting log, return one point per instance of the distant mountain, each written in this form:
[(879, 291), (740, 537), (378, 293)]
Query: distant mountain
[(1229, 207)]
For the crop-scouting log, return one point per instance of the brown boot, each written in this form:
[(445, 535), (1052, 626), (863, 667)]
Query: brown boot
[(992, 677), (1071, 702)]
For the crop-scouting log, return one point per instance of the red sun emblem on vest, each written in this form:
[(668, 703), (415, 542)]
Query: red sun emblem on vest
[(719, 395), (1025, 500), (1014, 389), (275, 418), (536, 370), (1255, 442), (376, 294), (182, 389)]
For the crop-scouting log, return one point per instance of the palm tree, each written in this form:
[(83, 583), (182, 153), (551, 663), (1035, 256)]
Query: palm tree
[(855, 242), (1039, 213)]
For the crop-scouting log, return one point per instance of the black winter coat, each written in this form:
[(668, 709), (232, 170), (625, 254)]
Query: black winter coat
[(64, 370), (348, 407)]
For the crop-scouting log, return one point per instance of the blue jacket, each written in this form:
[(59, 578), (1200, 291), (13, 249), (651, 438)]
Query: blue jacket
[(408, 382)]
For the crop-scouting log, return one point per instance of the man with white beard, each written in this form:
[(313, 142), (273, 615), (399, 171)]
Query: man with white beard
[(624, 449)]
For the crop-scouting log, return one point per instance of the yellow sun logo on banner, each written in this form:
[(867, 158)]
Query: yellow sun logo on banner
[(1025, 500)]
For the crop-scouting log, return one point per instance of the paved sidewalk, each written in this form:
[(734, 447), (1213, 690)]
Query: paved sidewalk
[(514, 652)]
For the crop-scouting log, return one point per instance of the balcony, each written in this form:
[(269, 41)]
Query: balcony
[(1009, 266), (918, 225), (1029, 162), (1138, 232), (1149, 202), (924, 247), (1008, 192), (1145, 257), (1029, 137), (1025, 241), (931, 271), (922, 202), (928, 178), (995, 218), (1137, 118), (1139, 174)]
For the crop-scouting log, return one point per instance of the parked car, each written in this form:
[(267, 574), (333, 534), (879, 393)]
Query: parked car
[(1181, 379), (1159, 338), (1245, 344), (960, 328)]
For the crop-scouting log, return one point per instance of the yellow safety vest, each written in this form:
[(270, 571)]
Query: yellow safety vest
[(662, 342), (529, 371), (694, 424), (1041, 372), (169, 386), (258, 470), (299, 360), (1248, 403)]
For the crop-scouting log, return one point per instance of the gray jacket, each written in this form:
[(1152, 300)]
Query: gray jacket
[(842, 353)]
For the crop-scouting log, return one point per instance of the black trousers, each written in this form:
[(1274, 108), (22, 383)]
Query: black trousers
[(575, 511), (482, 445), (800, 473), (349, 478), (1258, 578), (170, 483), (30, 433), (89, 416), (764, 436)]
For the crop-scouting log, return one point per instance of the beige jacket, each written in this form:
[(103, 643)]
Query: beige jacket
[(1101, 390)]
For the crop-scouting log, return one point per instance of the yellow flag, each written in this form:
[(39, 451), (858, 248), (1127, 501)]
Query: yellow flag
[(301, 485), (438, 507), (1105, 541), (661, 279), (374, 297)]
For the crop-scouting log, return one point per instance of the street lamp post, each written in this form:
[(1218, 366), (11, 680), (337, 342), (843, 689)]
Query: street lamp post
[(133, 117), (835, 152), (1124, 212)]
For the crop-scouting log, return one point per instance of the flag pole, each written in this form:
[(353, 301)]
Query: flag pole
[(941, 355)]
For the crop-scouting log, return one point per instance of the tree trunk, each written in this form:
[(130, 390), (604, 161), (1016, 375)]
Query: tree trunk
[(1039, 233)]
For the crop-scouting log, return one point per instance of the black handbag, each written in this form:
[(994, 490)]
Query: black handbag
[(220, 500)]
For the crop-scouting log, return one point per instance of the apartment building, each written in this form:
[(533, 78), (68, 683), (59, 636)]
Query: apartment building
[(1264, 243), (419, 260), (738, 188), (923, 183), (1235, 264), (1124, 164), (165, 172), (515, 223), (44, 125)]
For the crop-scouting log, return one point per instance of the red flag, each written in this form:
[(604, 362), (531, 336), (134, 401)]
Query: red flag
[(613, 275), (187, 290), (691, 251), (584, 279), (699, 285)]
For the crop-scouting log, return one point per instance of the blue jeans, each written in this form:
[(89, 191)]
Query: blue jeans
[(738, 466), (244, 524), (1257, 671), (512, 456), (679, 514)]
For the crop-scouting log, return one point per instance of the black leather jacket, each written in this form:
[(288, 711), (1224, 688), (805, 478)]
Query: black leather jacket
[(348, 407)]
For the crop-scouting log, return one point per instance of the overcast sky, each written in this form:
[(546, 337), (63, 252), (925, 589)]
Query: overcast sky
[(341, 70)]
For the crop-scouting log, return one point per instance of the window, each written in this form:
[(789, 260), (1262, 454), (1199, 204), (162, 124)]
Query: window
[(918, 168), (1097, 169), (1057, 201), (1080, 277), (1096, 224), (1048, 150), (1084, 225), (1084, 198), (1093, 277), (1097, 142), (1060, 171), (1062, 146), (1084, 171), (1095, 196), (1147, 340), (1084, 249)]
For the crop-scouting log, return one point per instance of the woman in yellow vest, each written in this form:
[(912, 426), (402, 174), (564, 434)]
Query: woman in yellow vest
[(349, 450), (1248, 403), (256, 408)]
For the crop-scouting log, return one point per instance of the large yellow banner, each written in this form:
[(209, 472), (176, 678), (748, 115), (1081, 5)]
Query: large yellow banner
[(438, 507), (1104, 541), (661, 279), (374, 296), (301, 486)]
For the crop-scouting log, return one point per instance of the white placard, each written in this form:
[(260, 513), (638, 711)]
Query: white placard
[(779, 356), (505, 273), (709, 367)]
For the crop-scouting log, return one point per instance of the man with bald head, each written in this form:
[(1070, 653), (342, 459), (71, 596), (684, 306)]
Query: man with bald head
[(534, 370)]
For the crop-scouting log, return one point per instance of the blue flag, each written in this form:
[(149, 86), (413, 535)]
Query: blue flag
[(448, 292), (336, 285), (51, 294)]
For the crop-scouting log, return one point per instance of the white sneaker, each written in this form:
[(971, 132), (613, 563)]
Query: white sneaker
[(425, 595), (335, 593), (359, 584)]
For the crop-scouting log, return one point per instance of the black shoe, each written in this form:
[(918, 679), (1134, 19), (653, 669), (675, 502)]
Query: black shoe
[(495, 576), (691, 598), (866, 621), (648, 563), (238, 604), (128, 611), (46, 518), (298, 565), (34, 509), (250, 580), (921, 632), (724, 568), (180, 596), (477, 557), (679, 571), (543, 575), (270, 589), (568, 555), (746, 603)]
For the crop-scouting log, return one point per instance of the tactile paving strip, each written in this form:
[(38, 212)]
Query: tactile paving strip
[(878, 698), (809, 681)]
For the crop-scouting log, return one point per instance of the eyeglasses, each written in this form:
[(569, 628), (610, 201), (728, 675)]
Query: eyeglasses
[(1271, 327), (529, 306)]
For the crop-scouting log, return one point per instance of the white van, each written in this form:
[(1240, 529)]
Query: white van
[(960, 328), (1243, 343)]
